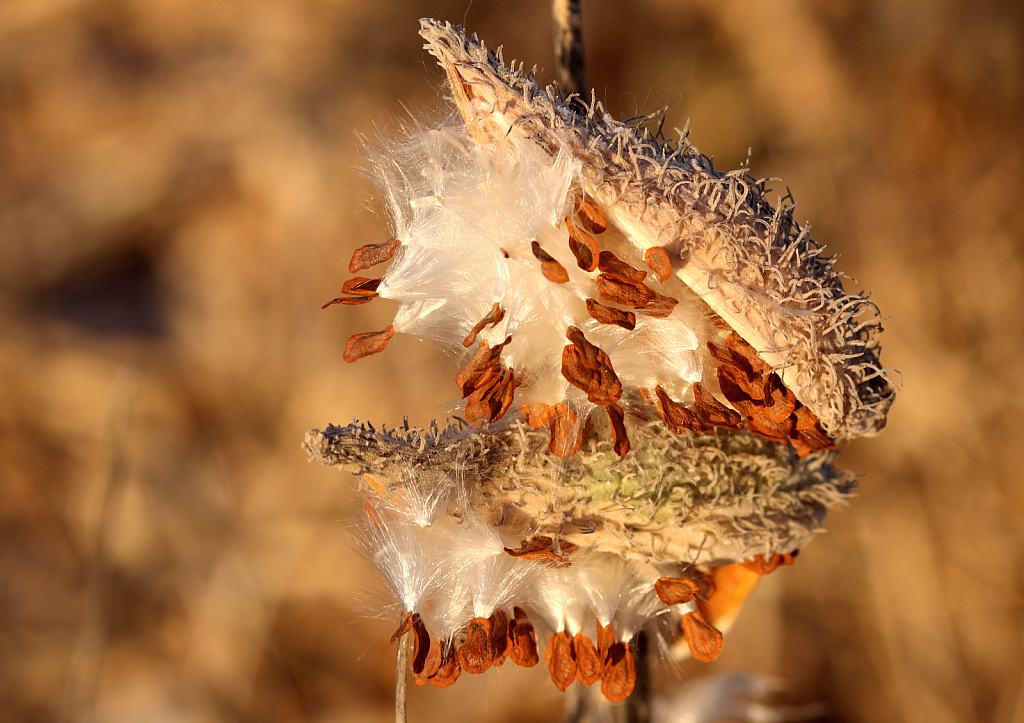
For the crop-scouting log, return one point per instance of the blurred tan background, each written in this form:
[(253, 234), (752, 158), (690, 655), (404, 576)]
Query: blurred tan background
[(178, 198)]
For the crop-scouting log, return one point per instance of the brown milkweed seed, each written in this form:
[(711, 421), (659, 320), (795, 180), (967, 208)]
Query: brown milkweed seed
[(676, 590), (449, 671), (657, 258), (705, 640), (591, 217), (713, 412), (552, 270), (495, 315), (536, 414), (483, 364), (350, 301), (583, 247), (566, 439), (619, 292), (607, 315), (619, 673), (476, 654), (561, 660), (499, 637), (610, 264), (660, 306), (621, 441), (372, 254), (522, 641), (589, 666), (677, 417), (360, 286), (372, 342), (605, 640)]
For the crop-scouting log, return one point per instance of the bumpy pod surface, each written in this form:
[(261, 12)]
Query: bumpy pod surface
[(751, 263)]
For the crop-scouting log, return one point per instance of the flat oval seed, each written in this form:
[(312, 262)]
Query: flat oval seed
[(372, 342)]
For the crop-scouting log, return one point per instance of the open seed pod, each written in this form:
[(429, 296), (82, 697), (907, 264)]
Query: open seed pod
[(656, 365)]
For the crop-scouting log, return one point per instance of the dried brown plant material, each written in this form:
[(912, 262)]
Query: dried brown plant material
[(619, 673), (405, 627), (492, 397), (499, 637), (561, 660), (607, 315), (476, 654), (659, 306), (426, 655), (591, 217), (676, 590), (449, 670), (536, 414), (522, 640), (605, 641), (620, 441), (361, 286), (589, 664), (588, 368), (350, 300), (373, 342), (566, 438), (485, 362), (807, 435), (613, 267), (527, 552), (765, 565), (635, 296), (704, 639), (372, 254), (712, 412), (552, 270), (677, 417), (493, 317), (658, 259), (583, 247)]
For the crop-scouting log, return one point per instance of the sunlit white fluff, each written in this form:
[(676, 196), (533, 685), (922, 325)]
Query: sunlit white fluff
[(466, 216)]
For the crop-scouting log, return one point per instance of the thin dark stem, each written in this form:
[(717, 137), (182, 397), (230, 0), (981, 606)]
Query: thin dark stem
[(570, 61), (402, 677), (638, 704)]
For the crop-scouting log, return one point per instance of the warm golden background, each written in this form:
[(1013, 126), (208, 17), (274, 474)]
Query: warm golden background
[(178, 198)]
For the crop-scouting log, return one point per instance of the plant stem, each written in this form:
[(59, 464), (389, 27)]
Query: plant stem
[(570, 61), (402, 678)]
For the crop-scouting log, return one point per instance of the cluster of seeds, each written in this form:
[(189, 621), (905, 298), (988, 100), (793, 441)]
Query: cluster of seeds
[(488, 383), (472, 601)]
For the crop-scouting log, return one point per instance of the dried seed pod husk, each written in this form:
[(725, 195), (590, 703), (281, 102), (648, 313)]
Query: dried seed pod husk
[(750, 262), (724, 516)]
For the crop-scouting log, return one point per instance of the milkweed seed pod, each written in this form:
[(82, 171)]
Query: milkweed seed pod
[(657, 365)]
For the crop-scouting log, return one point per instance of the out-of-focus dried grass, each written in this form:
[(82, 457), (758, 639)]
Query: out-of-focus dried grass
[(178, 199)]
